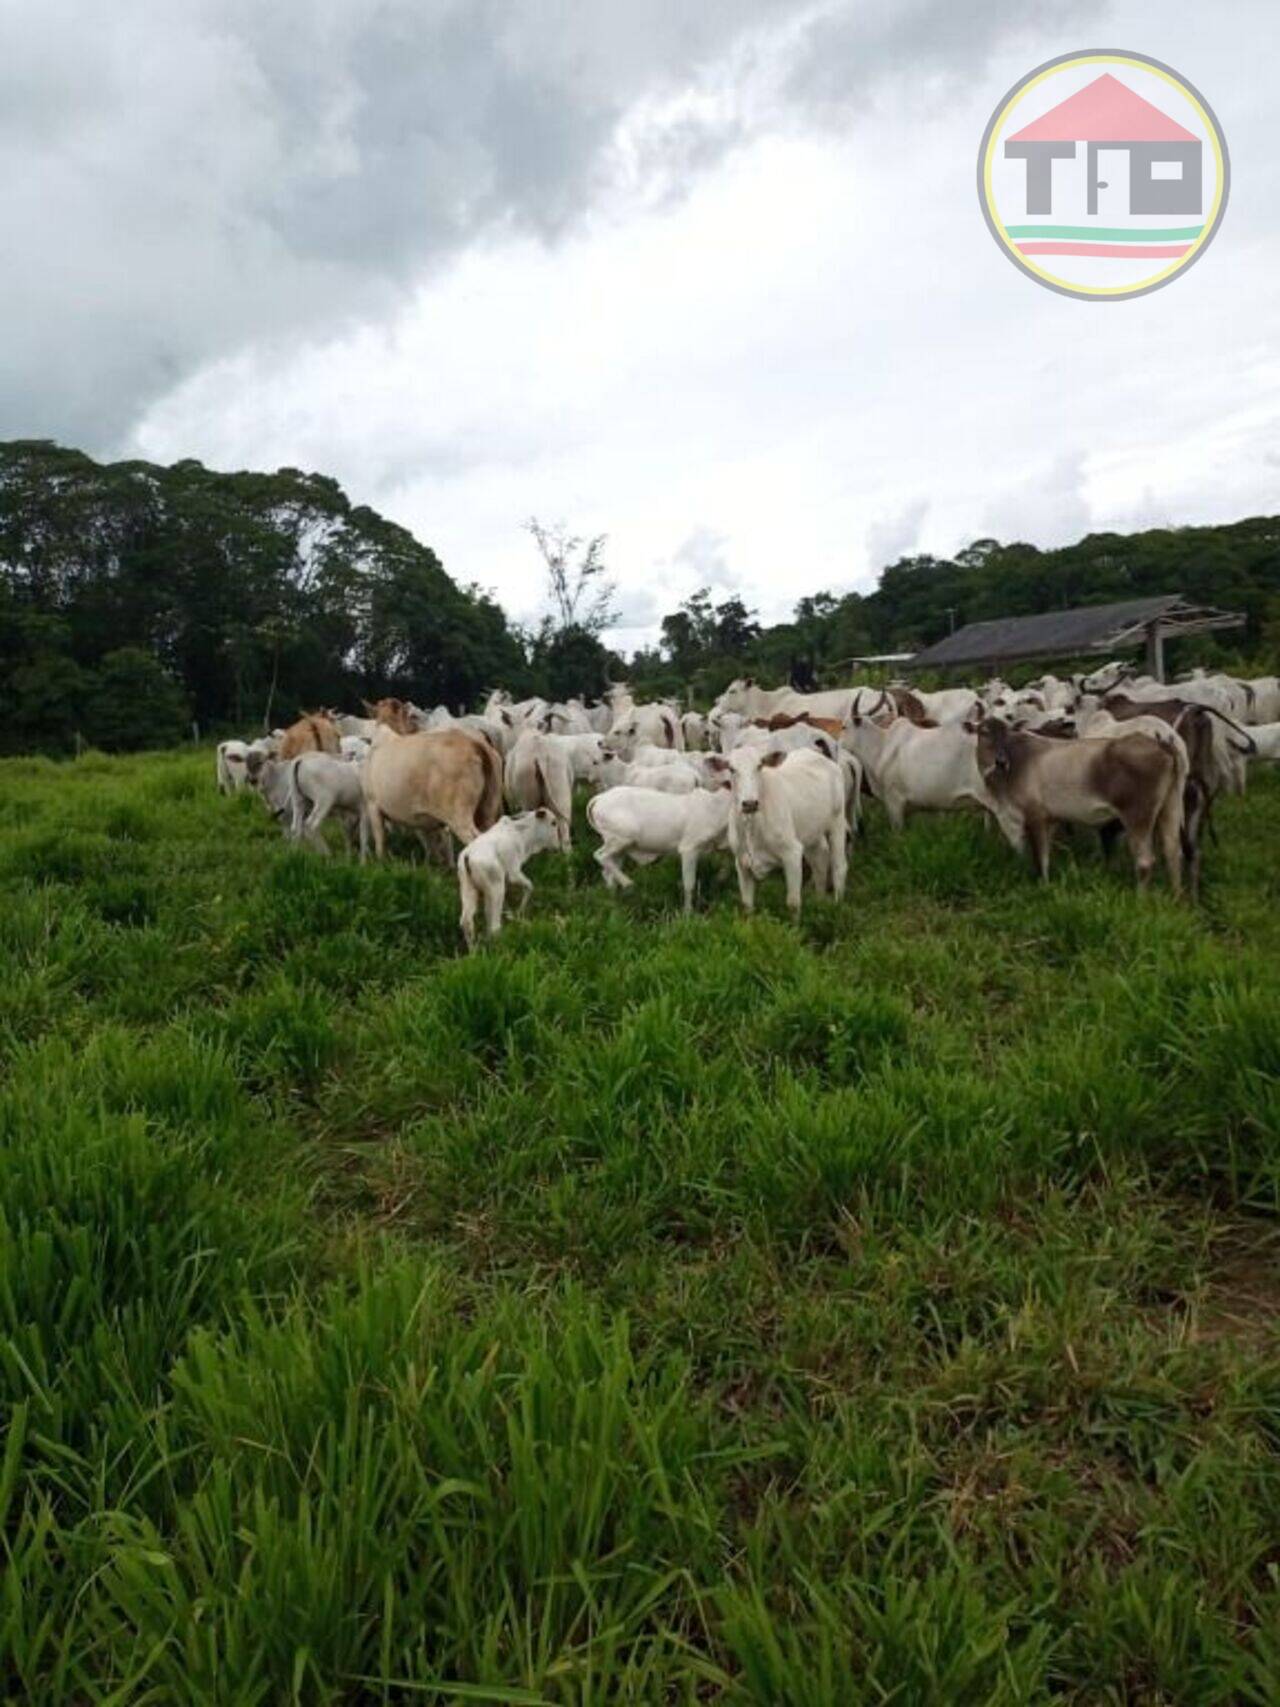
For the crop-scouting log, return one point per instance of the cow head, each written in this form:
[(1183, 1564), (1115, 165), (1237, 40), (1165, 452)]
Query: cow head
[(745, 765)]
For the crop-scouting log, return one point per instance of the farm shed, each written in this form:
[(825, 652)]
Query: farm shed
[(1104, 629)]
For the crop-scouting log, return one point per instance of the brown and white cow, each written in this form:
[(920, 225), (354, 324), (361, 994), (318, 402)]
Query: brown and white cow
[(1037, 783)]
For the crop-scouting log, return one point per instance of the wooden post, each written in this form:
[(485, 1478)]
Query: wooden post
[(1155, 651)]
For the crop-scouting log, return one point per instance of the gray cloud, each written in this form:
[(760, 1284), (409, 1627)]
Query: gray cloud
[(180, 183), (897, 535)]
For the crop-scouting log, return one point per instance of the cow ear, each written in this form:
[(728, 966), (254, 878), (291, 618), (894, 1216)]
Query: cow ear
[(750, 682), (773, 760)]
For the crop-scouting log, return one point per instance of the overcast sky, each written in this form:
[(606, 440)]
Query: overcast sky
[(709, 277)]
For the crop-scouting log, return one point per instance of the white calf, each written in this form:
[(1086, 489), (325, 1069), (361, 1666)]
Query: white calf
[(646, 824), (497, 858), (320, 784), (789, 811)]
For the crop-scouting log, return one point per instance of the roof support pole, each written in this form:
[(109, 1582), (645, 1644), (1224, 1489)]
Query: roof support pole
[(1155, 651)]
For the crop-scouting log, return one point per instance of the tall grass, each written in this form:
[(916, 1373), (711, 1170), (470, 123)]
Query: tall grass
[(643, 1309)]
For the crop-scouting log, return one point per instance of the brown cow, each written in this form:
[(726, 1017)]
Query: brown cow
[(1205, 732), (907, 704), (394, 713), (312, 733), (1037, 783), (443, 776)]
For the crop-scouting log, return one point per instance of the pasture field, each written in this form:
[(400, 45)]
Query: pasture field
[(642, 1310)]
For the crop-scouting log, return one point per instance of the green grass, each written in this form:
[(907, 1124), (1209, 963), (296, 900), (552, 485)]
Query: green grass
[(642, 1310)]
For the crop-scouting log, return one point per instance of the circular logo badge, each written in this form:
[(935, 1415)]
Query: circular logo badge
[(1103, 174)]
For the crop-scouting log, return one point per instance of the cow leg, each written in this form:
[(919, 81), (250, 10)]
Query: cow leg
[(1144, 857), (470, 898), (688, 875), (311, 829), (523, 884), (793, 871), (1040, 835), (746, 886), (839, 858), (895, 810), (378, 830), (1108, 836), (819, 860), (494, 896), (606, 856)]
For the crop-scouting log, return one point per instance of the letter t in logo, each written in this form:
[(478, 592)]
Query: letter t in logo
[(1039, 157)]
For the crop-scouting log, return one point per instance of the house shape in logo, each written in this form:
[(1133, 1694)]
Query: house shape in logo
[(1164, 158)]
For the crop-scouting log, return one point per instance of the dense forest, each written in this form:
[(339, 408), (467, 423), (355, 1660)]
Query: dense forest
[(137, 600)]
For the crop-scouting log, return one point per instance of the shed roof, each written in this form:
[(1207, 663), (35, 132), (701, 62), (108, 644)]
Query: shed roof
[(1068, 633)]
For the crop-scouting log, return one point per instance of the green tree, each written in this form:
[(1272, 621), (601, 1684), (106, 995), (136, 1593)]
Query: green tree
[(132, 701)]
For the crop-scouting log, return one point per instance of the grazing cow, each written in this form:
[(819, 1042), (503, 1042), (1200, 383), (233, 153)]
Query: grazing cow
[(539, 772), (910, 769), (230, 766), (314, 732), (445, 776), (787, 810), (642, 824), (1038, 783), (497, 858), (320, 785)]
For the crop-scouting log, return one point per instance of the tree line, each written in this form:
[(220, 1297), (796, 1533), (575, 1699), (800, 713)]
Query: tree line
[(138, 600)]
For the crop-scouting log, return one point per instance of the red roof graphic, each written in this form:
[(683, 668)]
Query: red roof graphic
[(1105, 110)]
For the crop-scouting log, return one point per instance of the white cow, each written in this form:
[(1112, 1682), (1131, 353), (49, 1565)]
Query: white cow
[(948, 705), (354, 748), (919, 770), (1266, 740), (230, 766), (585, 754), (787, 810), (496, 859), (1266, 699), (538, 772), (320, 784), (694, 725), (667, 779), (643, 824), (746, 697), (359, 728)]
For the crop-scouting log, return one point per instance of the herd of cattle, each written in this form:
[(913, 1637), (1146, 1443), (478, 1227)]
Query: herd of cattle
[(775, 777)]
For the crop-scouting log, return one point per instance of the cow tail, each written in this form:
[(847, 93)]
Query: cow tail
[(490, 807)]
